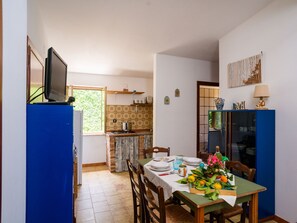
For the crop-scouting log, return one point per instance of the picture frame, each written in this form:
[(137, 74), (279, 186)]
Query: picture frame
[(35, 74)]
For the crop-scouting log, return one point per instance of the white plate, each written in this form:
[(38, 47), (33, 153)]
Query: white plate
[(164, 159), (160, 165), (160, 170), (192, 160)]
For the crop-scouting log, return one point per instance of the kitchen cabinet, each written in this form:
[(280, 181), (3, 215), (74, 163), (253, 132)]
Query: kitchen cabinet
[(249, 137), (49, 160), (120, 147)]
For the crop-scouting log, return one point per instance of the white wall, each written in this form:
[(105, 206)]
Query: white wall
[(175, 125), (35, 28), (273, 31), (14, 111), (94, 146)]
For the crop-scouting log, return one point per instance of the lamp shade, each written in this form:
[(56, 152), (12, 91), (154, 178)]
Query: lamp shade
[(261, 91)]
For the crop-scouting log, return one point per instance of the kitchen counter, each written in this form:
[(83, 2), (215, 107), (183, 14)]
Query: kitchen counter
[(121, 146), (132, 133)]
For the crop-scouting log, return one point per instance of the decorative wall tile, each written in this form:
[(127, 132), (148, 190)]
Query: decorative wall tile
[(141, 117)]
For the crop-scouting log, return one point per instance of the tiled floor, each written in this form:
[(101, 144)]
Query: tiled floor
[(106, 197)]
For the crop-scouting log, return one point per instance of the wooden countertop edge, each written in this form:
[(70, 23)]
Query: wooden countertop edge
[(110, 134)]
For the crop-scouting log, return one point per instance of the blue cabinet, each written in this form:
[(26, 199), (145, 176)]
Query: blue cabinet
[(249, 137), (49, 164)]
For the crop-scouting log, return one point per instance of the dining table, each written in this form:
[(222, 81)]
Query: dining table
[(246, 191)]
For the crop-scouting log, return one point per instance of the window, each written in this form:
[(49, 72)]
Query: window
[(90, 100)]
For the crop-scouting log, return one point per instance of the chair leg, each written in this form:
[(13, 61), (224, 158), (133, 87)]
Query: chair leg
[(244, 213), (211, 218)]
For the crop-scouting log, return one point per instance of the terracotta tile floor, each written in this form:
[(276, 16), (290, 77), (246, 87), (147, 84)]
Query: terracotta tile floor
[(106, 197)]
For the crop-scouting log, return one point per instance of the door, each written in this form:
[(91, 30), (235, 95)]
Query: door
[(206, 93)]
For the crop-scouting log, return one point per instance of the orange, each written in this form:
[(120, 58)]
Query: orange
[(224, 179), (202, 182), (217, 186)]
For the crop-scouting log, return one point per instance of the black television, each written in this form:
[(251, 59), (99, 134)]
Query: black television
[(55, 77)]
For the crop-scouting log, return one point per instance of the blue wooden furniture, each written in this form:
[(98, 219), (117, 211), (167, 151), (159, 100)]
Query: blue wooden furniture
[(249, 137), (49, 164)]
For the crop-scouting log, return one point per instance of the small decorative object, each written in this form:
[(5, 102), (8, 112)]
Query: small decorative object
[(219, 102), (211, 180), (149, 99), (239, 105), (261, 91), (177, 92), (166, 100)]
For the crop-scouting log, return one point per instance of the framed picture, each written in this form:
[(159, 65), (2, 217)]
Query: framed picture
[(35, 74)]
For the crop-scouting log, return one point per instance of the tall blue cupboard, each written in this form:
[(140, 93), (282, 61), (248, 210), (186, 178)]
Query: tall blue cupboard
[(49, 179), (249, 137)]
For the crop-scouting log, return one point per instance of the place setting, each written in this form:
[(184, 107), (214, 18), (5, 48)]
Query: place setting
[(159, 166)]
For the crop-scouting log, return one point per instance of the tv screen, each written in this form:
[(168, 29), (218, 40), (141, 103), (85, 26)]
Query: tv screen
[(55, 77)]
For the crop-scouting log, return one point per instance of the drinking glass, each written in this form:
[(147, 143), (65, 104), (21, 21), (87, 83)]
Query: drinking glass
[(178, 160)]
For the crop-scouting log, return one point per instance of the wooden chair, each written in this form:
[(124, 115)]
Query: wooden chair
[(155, 208), (241, 170), (137, 197), (203, 156), (148, 153)]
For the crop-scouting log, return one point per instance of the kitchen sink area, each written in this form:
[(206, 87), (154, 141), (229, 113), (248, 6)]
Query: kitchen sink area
[(126, 145), (128, 134)]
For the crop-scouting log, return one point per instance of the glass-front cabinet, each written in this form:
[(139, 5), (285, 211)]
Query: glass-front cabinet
[(248, 136)]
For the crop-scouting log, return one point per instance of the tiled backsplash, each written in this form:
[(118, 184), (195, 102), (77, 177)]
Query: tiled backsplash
[(140, 116)]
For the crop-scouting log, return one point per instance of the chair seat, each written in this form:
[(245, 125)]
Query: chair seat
[(176, 213)]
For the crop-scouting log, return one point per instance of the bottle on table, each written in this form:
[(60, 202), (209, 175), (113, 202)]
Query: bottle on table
[(218, 153)]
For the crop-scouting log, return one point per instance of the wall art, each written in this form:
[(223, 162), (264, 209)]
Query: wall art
[(166, 100), (177, 92), (245, 72)]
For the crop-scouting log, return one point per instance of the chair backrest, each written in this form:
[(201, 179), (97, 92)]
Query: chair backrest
[(136, 194), (203, 155), (148, 153), (154, 206), (241, 170)]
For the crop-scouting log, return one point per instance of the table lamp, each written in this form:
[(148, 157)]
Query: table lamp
[(261, 91)]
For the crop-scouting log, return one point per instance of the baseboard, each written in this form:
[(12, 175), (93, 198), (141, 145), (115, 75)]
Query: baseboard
[(279, 220), (273, 218), (94, 164)]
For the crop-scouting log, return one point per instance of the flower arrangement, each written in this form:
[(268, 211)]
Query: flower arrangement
[(210, 178)]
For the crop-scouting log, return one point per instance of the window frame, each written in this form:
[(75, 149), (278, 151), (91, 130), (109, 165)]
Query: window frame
[(70, 89)]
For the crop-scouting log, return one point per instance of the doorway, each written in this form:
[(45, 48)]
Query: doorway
[(206, 93)]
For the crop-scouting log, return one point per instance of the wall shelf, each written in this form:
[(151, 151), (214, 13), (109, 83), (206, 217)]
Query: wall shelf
[(142, 104), (124, 92)]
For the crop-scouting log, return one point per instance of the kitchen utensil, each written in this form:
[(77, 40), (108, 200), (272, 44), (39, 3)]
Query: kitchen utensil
[(126, 126)]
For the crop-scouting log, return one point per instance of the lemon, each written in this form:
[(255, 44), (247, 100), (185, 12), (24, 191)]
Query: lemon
[(217, 186), (191, 179)]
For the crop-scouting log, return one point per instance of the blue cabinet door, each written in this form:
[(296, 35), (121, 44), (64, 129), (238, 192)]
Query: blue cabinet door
[(49, 164)]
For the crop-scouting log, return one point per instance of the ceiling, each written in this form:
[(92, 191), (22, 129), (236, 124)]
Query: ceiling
[(120, 37)]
